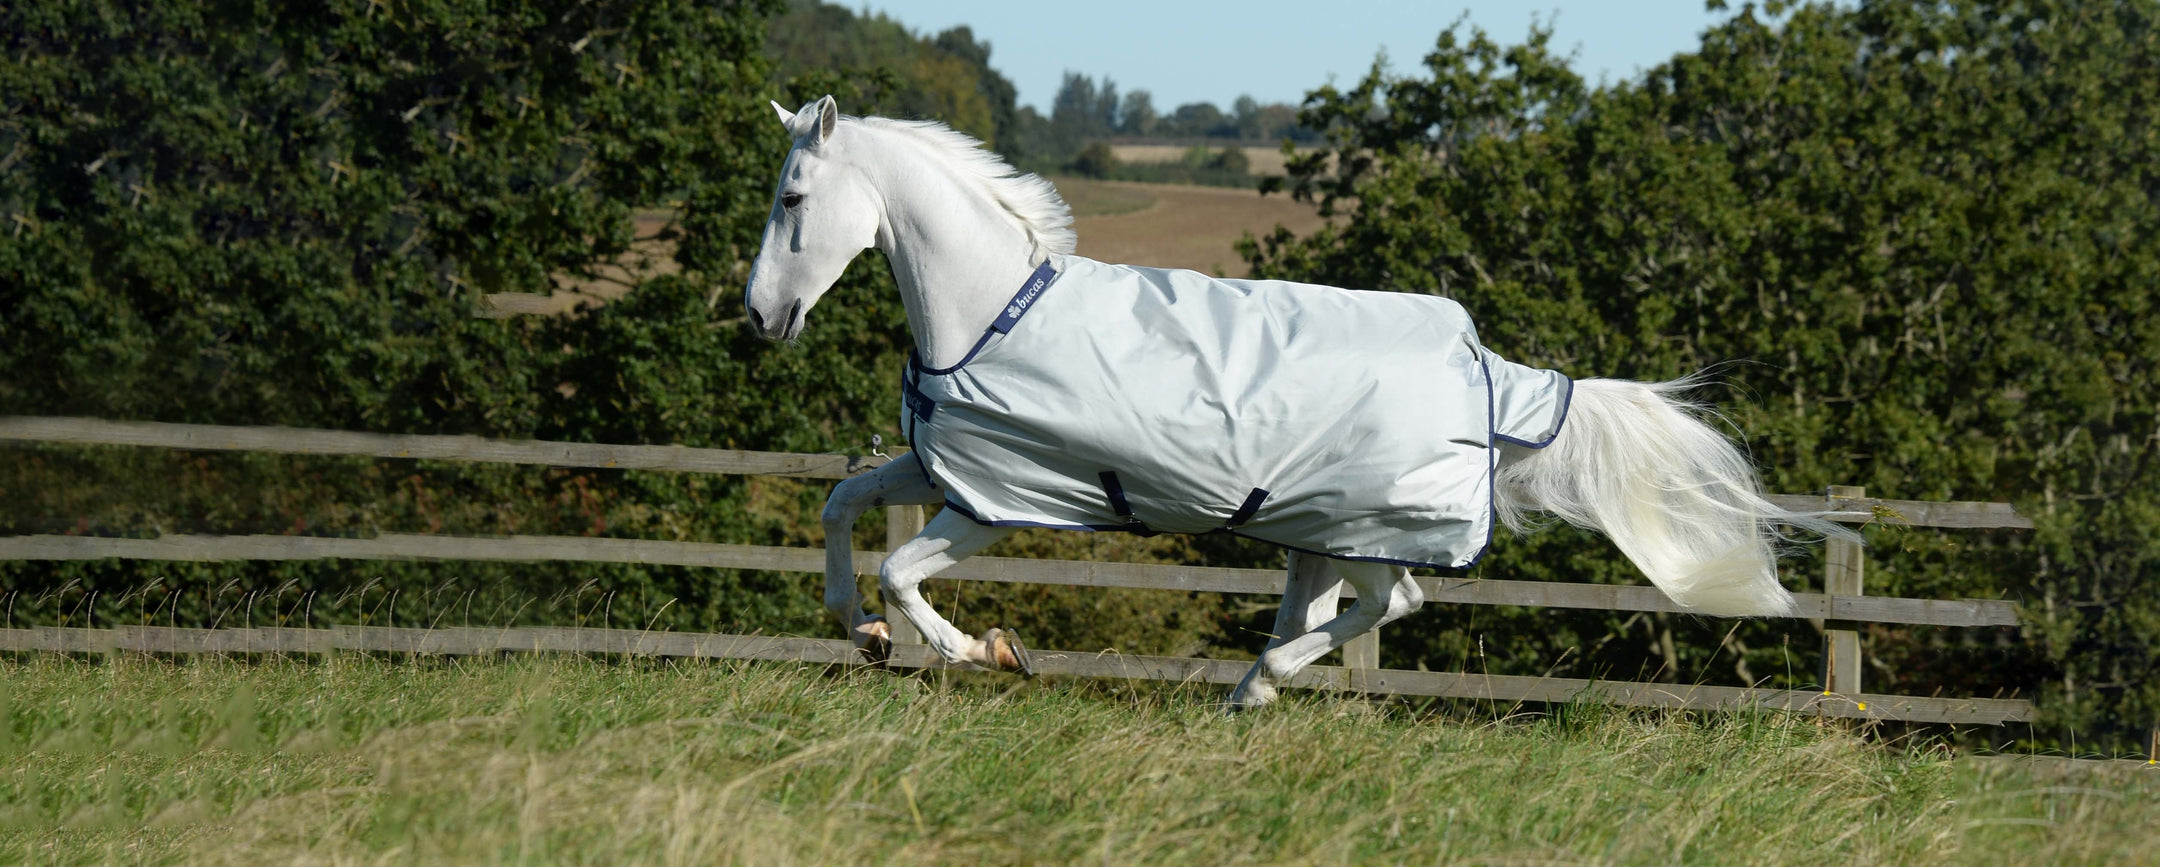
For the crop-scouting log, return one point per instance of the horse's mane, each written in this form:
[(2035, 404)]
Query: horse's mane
[(1031, 201)]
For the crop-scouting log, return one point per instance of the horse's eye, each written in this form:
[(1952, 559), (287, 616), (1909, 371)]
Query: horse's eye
[(790, 200)]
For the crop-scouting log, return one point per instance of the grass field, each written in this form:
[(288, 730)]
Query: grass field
[(558, 760)]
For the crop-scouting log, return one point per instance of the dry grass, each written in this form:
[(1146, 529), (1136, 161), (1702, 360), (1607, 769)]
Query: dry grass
[(1190, 227), (566, 760), (1262, 160)]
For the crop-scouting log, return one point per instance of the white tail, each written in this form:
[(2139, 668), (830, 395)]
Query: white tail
[(1634, 462)]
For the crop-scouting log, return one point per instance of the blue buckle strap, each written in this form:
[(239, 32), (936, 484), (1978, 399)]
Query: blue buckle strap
[(917, 402), (1115, 491)]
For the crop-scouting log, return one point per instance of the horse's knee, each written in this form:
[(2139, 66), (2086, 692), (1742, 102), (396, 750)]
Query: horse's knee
[(896, 577)]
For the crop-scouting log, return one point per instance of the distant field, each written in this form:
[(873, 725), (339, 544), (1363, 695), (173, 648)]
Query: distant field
[(567, 760), (1264, 160), (1188, 227), (1103, 198)]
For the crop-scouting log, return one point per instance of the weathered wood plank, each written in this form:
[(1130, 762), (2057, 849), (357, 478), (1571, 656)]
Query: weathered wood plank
[(307, 441), (1508, 688), (482, 640), (1916, 513), (303, 441), (1843, 572), (1448, 590)]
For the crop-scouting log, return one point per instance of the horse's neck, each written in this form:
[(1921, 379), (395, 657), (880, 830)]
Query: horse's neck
[(956, 255)]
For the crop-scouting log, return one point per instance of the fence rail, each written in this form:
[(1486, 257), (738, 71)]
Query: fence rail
[(306, 441), (470, 641), (1010, 570), (1840, 607)]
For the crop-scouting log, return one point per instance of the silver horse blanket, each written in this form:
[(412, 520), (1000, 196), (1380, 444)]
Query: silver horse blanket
[(1358, 425)]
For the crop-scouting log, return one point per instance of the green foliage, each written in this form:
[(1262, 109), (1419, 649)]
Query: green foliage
[(259, 214), (1921, 229), (946, 78), (1095, 161), (274, 214)]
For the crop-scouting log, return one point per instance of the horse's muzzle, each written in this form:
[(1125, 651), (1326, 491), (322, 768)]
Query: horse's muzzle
[(787, 328)]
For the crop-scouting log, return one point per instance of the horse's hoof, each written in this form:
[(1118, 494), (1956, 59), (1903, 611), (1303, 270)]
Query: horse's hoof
[(873, 639), (1008, 653)]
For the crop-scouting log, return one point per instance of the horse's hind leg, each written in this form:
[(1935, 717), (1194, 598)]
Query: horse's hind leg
[(897, 483), (1384, 594), (950, 538)]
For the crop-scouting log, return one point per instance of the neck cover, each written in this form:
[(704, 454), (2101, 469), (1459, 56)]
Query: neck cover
[(1357, 425)]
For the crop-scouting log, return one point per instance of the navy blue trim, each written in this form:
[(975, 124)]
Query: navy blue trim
[(1409, 564), (1121, 528), (1492, 463), (1248, 508), (1029, 293), (1083, 528), (1567, 402)]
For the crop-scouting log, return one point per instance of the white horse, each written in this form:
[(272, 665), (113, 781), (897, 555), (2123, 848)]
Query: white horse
[(962, 230)]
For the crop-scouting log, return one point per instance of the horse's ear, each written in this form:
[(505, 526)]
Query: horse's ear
[(828, 117), (787, 118)]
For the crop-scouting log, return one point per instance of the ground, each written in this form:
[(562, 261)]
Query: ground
[(1188, 226), (567, 760)]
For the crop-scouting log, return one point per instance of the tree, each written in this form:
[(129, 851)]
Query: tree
[(1903, 234), (1136, 114), (1198, 120)]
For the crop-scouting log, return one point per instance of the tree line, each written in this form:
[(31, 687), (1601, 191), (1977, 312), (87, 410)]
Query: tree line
[(948, 76)]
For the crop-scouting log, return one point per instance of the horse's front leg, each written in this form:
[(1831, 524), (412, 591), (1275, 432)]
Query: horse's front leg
[(899, 482), (950, 538)]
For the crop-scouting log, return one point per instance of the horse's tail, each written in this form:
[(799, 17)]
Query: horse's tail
[(1636, 463)]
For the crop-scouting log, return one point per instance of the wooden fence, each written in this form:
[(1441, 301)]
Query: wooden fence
[(1840, 607)]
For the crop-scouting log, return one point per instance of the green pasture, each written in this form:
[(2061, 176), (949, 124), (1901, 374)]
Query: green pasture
[(565, 760)]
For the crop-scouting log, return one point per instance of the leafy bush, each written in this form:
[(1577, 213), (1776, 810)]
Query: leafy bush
[(1096, 160), (1906, 234)]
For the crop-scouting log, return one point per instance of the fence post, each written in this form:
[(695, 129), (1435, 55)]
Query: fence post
[(1842, 570), (901, 524), (1360, 656)]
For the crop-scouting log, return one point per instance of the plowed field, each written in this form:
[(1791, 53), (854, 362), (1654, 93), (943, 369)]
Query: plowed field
[(1188, 227)]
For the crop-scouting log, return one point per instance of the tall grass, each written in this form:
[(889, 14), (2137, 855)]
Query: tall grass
[(551, 760)]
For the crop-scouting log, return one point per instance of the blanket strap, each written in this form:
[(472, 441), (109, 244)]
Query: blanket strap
[(919, 403), (1250, 507), (1115, 491)]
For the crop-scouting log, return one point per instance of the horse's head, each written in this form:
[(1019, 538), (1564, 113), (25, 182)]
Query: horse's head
[(824, 212)]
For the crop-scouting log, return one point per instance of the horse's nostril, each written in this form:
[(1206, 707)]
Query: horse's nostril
[(756, 321), (794, 314)]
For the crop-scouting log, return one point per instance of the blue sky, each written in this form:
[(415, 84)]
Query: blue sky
[(1276, 50)]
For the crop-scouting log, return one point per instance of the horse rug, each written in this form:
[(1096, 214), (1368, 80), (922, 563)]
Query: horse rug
[(1353, 424)]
